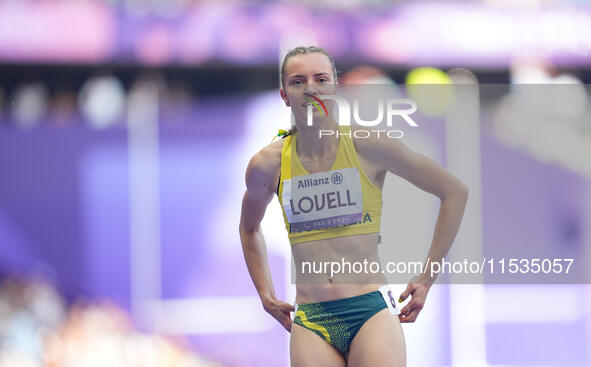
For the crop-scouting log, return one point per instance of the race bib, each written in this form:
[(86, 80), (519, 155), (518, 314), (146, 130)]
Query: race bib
[(389, 298), (323, 200)]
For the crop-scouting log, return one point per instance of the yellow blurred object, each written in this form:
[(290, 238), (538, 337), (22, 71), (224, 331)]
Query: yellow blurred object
[(280, 133), (431, 89)]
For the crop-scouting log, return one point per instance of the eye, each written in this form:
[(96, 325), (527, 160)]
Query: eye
[(297, 82), (323, 80)]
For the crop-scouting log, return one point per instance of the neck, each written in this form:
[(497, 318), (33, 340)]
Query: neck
[(313, 146)]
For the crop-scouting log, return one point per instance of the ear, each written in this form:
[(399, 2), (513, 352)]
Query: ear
[(284, 97)]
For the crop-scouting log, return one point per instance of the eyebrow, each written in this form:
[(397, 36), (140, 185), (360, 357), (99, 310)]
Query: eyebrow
[(301, 75)]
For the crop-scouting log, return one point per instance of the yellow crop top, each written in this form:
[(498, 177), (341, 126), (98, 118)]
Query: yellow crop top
[(336, 203)]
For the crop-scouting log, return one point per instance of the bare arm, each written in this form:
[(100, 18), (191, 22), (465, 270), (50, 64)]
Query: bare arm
[(259, 192), (428, 175)]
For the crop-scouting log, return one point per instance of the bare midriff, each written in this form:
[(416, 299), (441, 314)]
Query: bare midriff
[(314, 281)]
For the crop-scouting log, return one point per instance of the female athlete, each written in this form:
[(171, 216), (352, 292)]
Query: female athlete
[(330, 188)]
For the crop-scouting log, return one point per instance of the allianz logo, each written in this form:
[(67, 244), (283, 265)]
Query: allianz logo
[(335, 177)]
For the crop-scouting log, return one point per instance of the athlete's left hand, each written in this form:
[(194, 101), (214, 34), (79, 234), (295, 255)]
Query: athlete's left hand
[(418, 287)]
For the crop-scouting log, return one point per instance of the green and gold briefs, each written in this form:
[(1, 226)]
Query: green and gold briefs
[(338, 321)]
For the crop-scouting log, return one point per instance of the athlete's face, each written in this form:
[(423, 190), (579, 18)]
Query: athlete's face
[(308, 75)]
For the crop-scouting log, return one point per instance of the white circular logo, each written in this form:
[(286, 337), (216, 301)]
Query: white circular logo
[(336, 178)]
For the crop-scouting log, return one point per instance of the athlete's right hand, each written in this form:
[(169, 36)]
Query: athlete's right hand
[(280, 311)]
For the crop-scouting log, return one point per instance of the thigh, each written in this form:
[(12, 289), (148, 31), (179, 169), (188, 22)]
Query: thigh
[(308, 349), (379, 342)]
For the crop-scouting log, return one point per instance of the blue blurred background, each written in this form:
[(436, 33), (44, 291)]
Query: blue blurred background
[(126, 127)]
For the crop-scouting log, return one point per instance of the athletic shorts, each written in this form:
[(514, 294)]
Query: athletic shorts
[(338, 321)]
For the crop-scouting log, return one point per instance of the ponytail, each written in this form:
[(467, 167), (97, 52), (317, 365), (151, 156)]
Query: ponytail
[(285, 133), (291, 131)]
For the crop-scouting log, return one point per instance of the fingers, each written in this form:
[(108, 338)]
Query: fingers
[(408, 291), (281, 312), (410, 317), (413, 304), (280, 306), (284, 319), (286, 307), (410, 312), (286, 322), (284, 316), (406, 309)]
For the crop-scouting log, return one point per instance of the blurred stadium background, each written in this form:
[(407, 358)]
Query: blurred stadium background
[(126, 126)]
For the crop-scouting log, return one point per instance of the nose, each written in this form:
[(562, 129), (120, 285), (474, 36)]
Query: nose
[(311, 88), (311, 92)]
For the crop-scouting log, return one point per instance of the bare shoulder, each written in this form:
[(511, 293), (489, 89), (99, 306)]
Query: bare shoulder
[(378, 147), (264, 167), (390, 154)]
